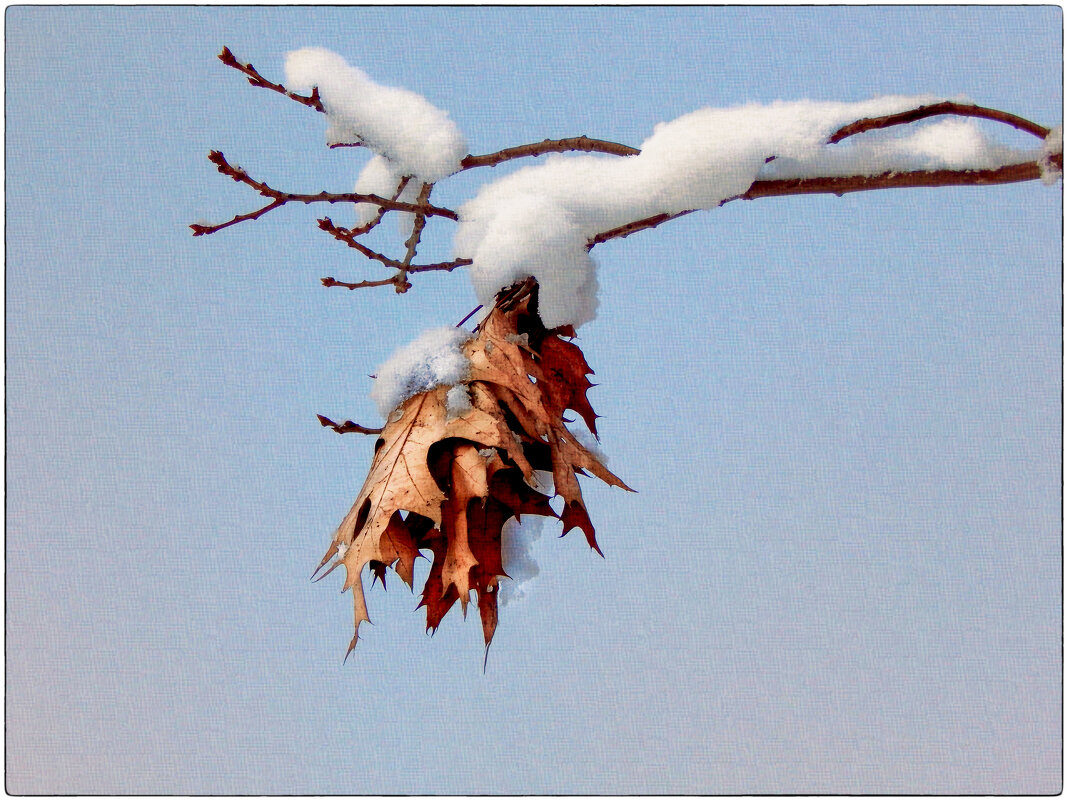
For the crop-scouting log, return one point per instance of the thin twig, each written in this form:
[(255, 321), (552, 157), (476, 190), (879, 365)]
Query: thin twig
[(441, 266), (254, 78), (200, 229), (633, 227), (346, 236), (331, 281), (470, 314), (348, 427), (281, 198), (373, 223), (312, 101), (934, 110), (576, 143), (349, 238), (241, 176)]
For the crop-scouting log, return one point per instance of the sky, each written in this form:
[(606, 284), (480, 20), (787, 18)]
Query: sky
[(841, 572)]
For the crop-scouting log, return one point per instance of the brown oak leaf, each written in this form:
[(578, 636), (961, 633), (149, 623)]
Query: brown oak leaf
[(449, 484)]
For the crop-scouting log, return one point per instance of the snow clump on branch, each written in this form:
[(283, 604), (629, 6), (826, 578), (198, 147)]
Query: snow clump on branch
[(434, 359), (416, 137), (951, 144), (539, 220)]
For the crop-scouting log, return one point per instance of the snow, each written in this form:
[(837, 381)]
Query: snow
[(434, 359), (458, 402), (532, 235), (379, 177), (948, 144), (416, 137), (537, 220), (1053, 143), (517, 541)]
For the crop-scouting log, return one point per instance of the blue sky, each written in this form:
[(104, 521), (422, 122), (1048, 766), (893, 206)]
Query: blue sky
[(842, 569)]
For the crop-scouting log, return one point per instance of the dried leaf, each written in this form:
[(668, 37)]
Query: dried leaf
[(449, 485)]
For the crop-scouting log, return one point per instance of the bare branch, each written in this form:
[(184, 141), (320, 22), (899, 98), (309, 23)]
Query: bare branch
[(576, 143), (356, 197), (935, 110), (281, 198), (373, 223), (1012, 173), (348, 427), (239, 175), (346, 236), (199, 229), (331, 281), (441, 266), (417, 225), (349, 238), (633, 227), (328, 197), (254, 78)]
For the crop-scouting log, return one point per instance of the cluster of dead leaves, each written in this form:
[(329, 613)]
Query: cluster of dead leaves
[(448, 483)]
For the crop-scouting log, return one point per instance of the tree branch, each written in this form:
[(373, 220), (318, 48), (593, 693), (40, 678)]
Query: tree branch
[(441, 266), (934, 110), (587, 145), (838, 185), (348, 427), (373, 223), (331, 281), (417, 226), (281, 198), (576, 143), (349, 238), (199, 229), (399, 281), (1013, 173)]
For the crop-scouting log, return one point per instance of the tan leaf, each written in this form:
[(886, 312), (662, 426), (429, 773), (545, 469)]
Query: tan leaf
[(449, 485), (470, 485), (400, 480)]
